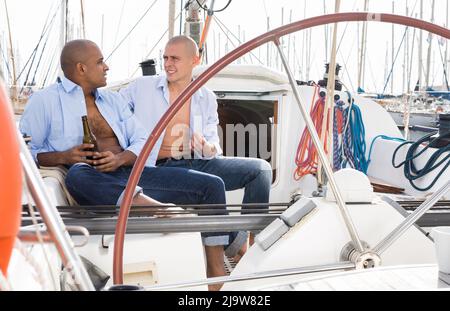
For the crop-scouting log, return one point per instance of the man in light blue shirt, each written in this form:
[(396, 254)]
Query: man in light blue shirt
[(98, 177), (191, 140)]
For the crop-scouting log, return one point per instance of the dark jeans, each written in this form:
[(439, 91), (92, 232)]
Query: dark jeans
[(254, 175), (165, 184)]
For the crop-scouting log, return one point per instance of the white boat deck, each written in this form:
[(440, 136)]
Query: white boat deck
[(413, 277)]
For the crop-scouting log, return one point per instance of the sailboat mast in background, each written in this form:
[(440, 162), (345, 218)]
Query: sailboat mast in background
[(171, 18), (362, 54), (430, 39), (12, 58)]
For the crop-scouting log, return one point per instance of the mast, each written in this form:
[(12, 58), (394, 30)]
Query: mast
[(420, 65), (326, 32), (405, 55), (268, 45), (171, 18), (329, 101), (193, 25), (446, 60), (83, 25), (11, 54), (363, 49), (430, 39), (63, 30), (392, 51), (386, 57), (102, 31)]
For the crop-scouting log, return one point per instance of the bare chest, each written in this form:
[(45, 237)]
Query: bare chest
[(182, 118), (97, 122)]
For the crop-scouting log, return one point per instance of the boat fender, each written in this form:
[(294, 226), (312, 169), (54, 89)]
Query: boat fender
[(288, 219), (296, 212), (271, 233), (10, 181), (354, 186)]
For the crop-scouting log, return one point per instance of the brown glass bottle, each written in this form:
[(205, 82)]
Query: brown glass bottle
[(88, 136)]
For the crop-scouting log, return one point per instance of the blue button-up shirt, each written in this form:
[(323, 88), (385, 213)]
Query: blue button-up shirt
[(52, 118), (149, 98)]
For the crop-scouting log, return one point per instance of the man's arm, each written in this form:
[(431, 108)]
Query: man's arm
[(127, 94), (74, 155), (35, 123), (134, 132), (212, 146), (109, 162)]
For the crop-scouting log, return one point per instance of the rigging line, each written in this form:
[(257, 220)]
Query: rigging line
[(408, 88), (156, 44), (346, 62), (346, 68), (6, 63), (374, 82), (345, 29), (47, 26), (401, 43), (205, 8), (49, 69), (135, 25), (265, 9), (395, 59), (220, 22), (120, 22), (39, 61), (443, 66)]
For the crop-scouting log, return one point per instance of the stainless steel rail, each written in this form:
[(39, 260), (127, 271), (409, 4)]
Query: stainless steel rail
[(176, 224), (322, 155), (257, 275), (411, 219), (53, 221)]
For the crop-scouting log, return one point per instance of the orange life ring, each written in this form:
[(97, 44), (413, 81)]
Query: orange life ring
[(10, 181)]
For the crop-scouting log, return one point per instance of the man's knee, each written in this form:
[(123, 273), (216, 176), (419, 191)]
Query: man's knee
[(262, 168), (77, 174), (215, 187)]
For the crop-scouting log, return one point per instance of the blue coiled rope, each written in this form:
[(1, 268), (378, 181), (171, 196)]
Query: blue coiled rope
[(351, 148), (410, 170)]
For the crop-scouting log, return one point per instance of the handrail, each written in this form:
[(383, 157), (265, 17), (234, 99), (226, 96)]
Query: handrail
[(322, 155), (273, 35), (55, 226), (256, 276), (411, 219)]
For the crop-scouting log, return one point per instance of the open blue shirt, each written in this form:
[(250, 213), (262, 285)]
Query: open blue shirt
[(149, 98), (52, 118)]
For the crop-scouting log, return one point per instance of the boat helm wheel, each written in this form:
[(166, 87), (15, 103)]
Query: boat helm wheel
[(366, 260), (271, 36)]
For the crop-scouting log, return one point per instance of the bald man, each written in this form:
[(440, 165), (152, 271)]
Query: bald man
[(191, 140), (53, 120)]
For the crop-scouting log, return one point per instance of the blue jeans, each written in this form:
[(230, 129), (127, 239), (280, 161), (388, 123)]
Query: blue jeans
[(254, 175), (166, 184)]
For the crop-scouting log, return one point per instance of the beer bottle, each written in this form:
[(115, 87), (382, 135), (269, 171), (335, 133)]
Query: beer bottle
[(88, 136)]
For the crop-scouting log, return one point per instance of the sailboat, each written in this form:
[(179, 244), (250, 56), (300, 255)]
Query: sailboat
[(330, 223)]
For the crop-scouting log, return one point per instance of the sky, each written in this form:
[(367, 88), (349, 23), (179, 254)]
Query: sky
[(107, 22)]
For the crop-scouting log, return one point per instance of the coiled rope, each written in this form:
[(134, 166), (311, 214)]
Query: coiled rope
[(349, 146), (411, 171)]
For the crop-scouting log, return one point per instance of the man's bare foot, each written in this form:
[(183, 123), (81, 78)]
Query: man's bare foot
[(240, 253), (214, 264), (243, 250), (214, 287), (251, 239)]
